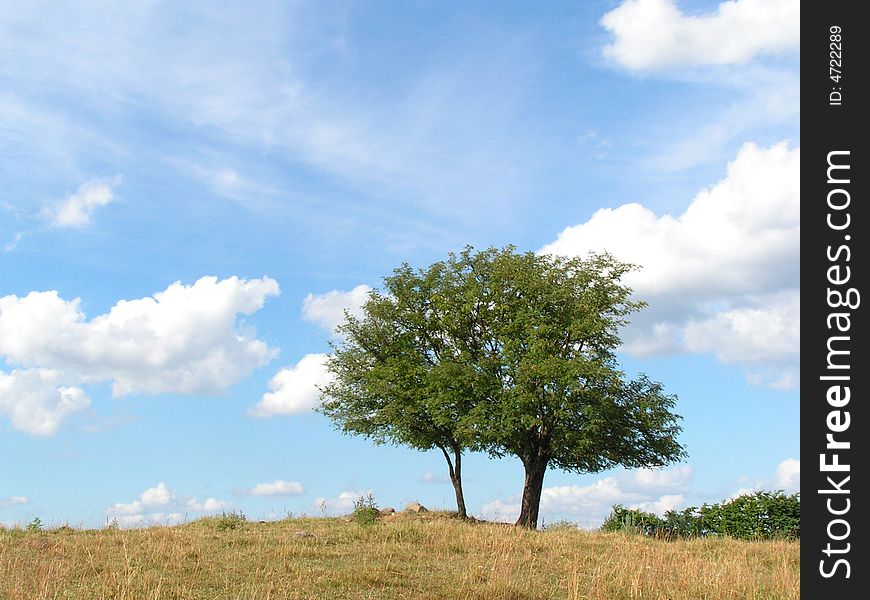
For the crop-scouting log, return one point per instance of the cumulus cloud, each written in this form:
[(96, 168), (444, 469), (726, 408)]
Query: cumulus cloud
[(294, 389), (656, 490), (327, 310), (160, 505), (340, 505), (788, 475), (186, 339), (75, 210), (655, 34), (277, 488), (13, 501), (722, 277), (36, 402)]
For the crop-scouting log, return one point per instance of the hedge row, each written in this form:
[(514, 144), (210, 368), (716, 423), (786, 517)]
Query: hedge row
[(763, 515)]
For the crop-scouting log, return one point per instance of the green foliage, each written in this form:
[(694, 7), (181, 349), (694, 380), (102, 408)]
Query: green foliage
[(763, 515), (365, 510), (35, 525), (629, 520), (228, 521)]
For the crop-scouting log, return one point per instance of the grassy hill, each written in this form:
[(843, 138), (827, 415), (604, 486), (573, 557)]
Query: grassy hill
[(428, 556)]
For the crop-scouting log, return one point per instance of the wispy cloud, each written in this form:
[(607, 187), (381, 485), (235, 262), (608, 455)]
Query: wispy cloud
[(13, 501), (75, 210)]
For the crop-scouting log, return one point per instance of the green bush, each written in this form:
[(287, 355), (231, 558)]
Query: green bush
[(762, 515), (631, 520), (365, 510), (35, 525), (230, 520)]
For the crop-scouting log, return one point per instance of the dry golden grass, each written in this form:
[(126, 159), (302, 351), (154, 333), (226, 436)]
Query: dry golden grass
[(427, 557)]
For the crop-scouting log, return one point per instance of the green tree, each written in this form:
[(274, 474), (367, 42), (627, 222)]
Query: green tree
[(508, 353)]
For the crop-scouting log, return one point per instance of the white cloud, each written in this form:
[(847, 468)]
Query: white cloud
[(228, 182), (160, 505), (788, 475), (341, 505), (733, 237), (13, 501), (722, 277), (430, 477), (75, 210), (744, 491), (750, 334), (664, 479), (787, 478), (277, 488), (159, 495), (207, 505), (294, 389), (662, 505), (185, 339), (36, 402), (655, 34), (327, 310), (656, 490)]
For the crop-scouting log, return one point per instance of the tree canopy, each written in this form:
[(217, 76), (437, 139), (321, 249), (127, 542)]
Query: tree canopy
[(508, 353)]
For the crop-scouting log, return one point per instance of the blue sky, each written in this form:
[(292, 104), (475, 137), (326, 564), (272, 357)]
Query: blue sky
[(190, 196)]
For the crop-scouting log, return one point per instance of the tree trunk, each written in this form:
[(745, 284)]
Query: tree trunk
[(534, 484), (454, 467)]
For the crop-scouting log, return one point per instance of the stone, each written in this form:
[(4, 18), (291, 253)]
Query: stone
[(387, 511), (416, 507)]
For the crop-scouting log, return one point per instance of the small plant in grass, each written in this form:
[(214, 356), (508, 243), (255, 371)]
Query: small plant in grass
[(561, 524), (365, 510), (230, 520), (35, 525), (112, 525)]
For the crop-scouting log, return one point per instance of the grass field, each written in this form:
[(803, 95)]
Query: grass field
[(426, 556)]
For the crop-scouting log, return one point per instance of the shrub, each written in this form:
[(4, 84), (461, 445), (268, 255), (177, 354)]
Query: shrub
[(762, 515), (230, 520), (35, 525), (631, 520), (365, 510)]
